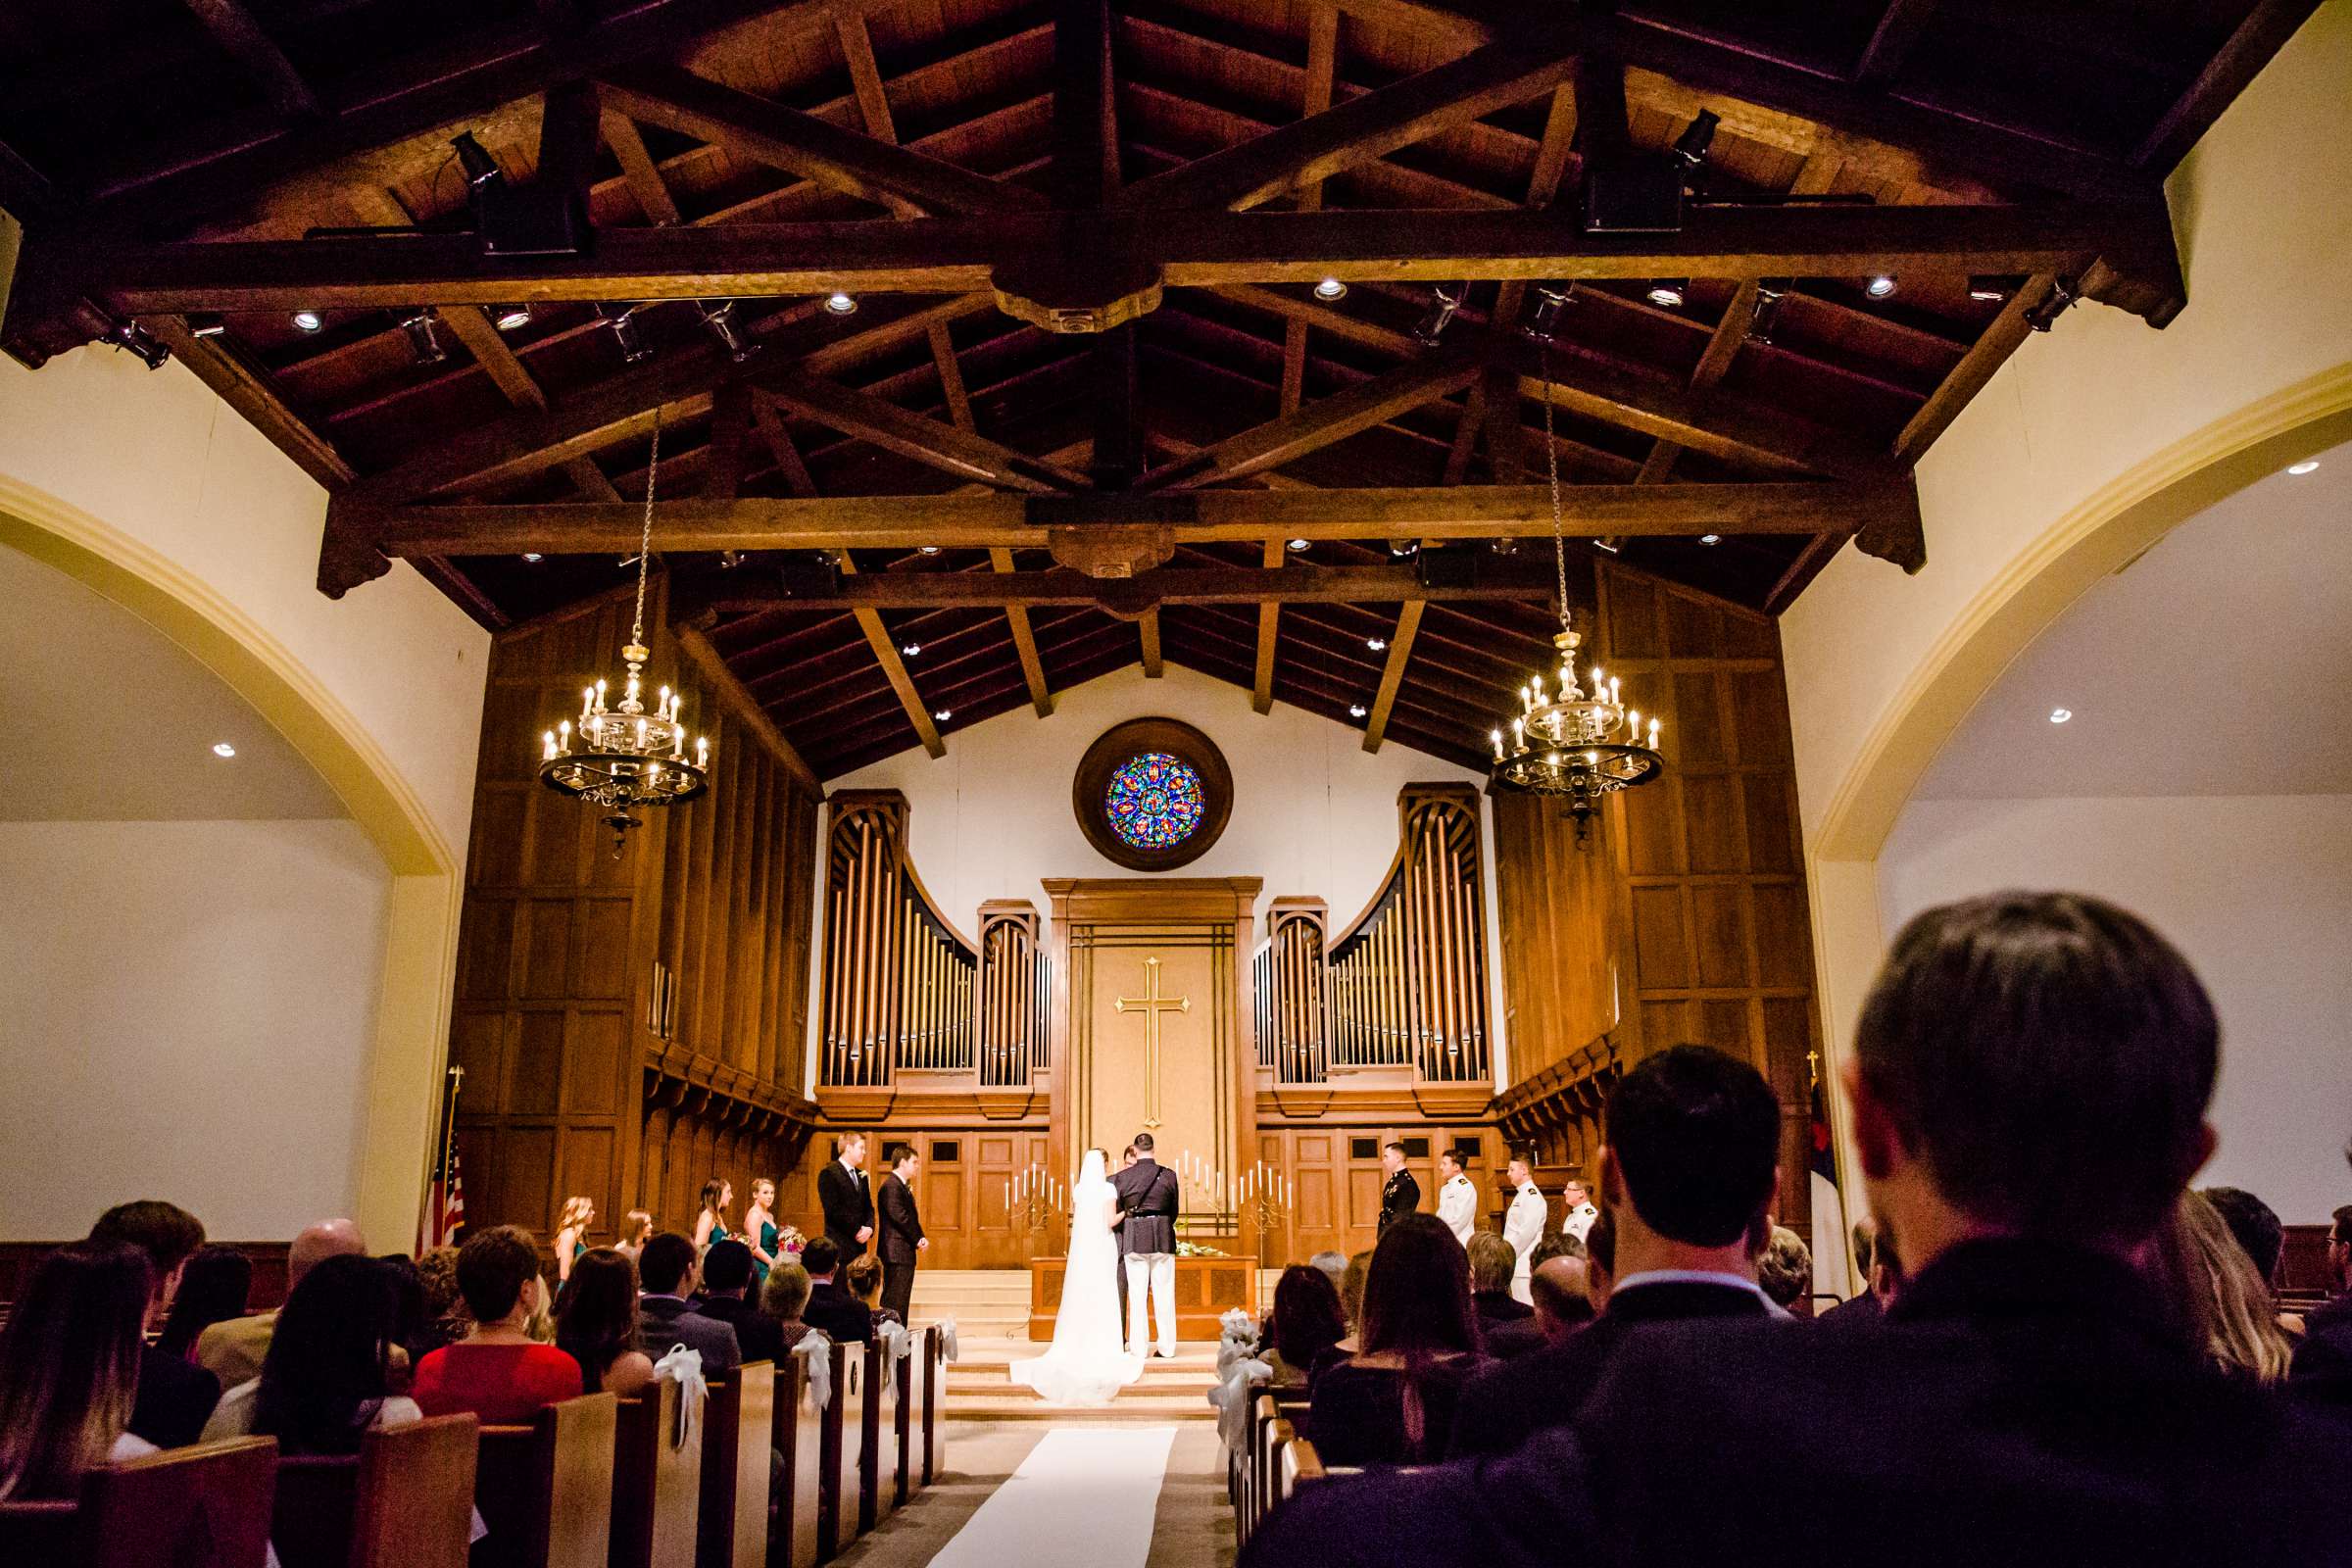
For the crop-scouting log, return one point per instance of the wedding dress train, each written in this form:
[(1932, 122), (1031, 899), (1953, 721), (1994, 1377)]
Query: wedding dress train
[(1088, 1362)]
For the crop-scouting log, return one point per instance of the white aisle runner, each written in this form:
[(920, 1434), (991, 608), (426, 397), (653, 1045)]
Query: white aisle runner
[(1084, 1498)]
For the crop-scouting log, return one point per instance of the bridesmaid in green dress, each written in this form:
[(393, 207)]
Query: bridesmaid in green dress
[(760, 1231), (572, 1234), (711, 1224)]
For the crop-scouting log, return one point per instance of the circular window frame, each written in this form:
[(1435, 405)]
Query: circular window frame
[(1121, 743)]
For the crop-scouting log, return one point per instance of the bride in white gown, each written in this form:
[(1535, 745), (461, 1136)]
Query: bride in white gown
[(1088, 1362)]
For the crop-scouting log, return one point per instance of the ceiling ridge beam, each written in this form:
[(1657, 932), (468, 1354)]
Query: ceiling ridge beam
[(236, 29), (962, 452)]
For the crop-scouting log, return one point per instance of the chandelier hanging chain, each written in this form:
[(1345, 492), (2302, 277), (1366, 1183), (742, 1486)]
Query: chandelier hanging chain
[(1559, 525), (644, 541)]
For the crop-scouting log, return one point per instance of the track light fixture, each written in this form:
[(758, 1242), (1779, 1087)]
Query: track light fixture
[(1506, 546), (729, 560), (628, 331), (1992, 289), (718, 317), (1401, 548), (1444, 300), (1769, 291), (2062, 293), (1690, 147), (1667, 292), (424, 341), (1551, 302), (132, 338), (510, 317), (308, 321), (205, 325), (482, 170)]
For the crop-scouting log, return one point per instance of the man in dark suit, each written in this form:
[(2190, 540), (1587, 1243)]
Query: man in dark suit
[(2028, 1091), (1401, 1195), (901, 1231), (726, 1298), (847, 1202), (831, 1307), (1688, 1173), (666, 1271), (175, 1399), (1148, 1200)]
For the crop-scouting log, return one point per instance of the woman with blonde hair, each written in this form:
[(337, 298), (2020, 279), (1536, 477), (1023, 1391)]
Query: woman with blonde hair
[(636, 1229), (572, 1234), (710, 1225), (70, 1370), (2218, 1302), (759, 1230)]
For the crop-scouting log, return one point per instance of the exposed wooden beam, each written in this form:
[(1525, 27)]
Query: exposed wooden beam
[(1147, 626), (1118, 454), (1722, 348), (736, 700), (1322, 76), (865, 76), (638, 169), (568, 136), (950, 377), (806, 144), (1318, 424), (1367, 127), (894, 669), (1269, 616), (961, 453), (247, 389), (481, 338), (236, 29), (769, 427), (1465, 434), (1993, 346), (1506, 438), (1004, 521), (1890, 42), (1391, 673), (2266, 28), (1200, 250), (1803, 570), (1553, 155), (1024, 642), (1086, 127)]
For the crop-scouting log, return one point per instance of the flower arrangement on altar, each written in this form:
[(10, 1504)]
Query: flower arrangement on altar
[(1196, 1249)]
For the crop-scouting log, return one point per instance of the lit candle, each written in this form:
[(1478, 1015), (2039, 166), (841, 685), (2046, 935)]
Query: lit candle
[(1632, 725), (702, 751), (1598, 684), (1612, 689), (549, 755), (1526, 700), (1497, 736), (1518, 732), (600, 695), (640, 731), (632, 697), (563, 733), (1653, 734), (587, 704), (1538, 691)]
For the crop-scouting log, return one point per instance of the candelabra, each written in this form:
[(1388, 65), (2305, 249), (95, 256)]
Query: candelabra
[(1032, 1199), (1265, 1195)]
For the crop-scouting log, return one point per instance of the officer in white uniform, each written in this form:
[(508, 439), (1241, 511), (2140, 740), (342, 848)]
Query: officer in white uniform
[(1581, 1214), (1523, 1224), (1458, 1197)]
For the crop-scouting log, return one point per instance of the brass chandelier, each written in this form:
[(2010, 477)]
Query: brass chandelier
[(1563, 742), (628, 756)]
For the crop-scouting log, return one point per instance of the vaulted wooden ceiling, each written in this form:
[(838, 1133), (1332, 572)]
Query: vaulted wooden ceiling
[(894, 522)]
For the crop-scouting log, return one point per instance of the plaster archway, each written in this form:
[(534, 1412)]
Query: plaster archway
[(426, 883)]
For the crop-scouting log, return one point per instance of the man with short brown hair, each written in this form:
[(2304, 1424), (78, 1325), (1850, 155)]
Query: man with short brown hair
[(174, 1399)]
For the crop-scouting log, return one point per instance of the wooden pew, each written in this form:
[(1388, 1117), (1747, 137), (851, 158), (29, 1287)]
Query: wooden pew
[(404, 1500), (657, 1488), (798, 1433), (845, 1456), (935, 1388), (202, 1507), (903, 1463), (737, 1429), (545, 1490), (1256, 1476), (1300, 1468), (873, 1440)]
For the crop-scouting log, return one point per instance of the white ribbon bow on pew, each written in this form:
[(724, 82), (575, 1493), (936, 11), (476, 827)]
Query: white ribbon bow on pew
[(818, 1351), (946, 1338), (684, 1367)]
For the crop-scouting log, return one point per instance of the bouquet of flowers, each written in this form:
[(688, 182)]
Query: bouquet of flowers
[(789, 1240)]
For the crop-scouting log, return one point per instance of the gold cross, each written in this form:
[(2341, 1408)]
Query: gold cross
[(1152, 1004)]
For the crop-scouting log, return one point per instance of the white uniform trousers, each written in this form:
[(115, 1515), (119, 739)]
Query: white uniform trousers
[(1152, 1273)]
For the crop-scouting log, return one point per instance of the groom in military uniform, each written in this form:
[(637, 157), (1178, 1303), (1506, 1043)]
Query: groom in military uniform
[(1403, 1194), (1148, 1199)]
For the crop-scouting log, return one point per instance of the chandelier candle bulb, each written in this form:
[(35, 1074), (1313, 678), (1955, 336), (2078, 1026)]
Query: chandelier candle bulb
[(1653, 734), (549, 755)]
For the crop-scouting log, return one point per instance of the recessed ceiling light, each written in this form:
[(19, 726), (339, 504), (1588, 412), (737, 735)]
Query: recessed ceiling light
[(1879, 288), (308, 321), (1667, 292), (1331, 289), (2305, 467), (511, 317), (927, 550), (532, 555), (1603, 544), (1377, 644), (910, 650), (2059, 715), (223, 748), (1710, 538), (840, 304), (942, 714), (1297, 545), (1355, 710)]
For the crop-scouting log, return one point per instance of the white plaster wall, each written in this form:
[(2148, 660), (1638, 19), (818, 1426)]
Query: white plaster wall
[(187, 1011), (2256, 891), (2263, 210), (155, 453)]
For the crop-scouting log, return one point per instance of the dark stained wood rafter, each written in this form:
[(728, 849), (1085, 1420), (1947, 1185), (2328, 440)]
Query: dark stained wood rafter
[(233, 25), (1391, 675), (2264, 32), (1891, 42), (894, 668), (962, 452)]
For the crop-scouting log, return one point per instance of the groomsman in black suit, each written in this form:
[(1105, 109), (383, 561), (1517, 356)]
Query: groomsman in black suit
[(902, 1230), (1403, 1194), (847, 1202)]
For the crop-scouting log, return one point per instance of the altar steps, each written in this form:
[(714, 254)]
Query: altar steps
[(980, 1387), (992, 1304)]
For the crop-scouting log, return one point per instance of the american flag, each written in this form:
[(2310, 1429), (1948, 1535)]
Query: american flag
[(445, 1199)]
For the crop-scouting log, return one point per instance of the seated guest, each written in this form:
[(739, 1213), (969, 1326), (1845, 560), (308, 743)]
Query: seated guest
[(1393, 1402), (445, 1320), (785, 1297), (497, 1371), (175, 1399), (233, 1350), (1785, 1268), (666, 1271), (862, 1278), (1693, 1142), (1563, 1302), (1308, 1322), (1332, 1263), (727, 1273), (70, 1369), (831, 1307), (2320, 1375), (2028, 1090), (1351, 1296), (2256, 1227), (326, 1379), (2214, 1299), (596, 1323), (1494, 1264), (214, 1285)]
